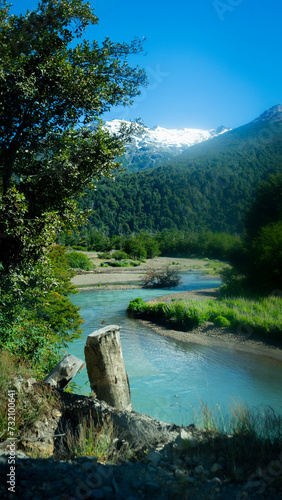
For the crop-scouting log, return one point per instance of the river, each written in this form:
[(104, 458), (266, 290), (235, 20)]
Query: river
[(168, 378)]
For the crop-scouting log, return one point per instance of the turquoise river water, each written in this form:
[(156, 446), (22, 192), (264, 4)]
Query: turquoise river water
[(168, 378)]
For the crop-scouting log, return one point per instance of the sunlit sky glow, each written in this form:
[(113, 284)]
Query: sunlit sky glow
[(209, 62)]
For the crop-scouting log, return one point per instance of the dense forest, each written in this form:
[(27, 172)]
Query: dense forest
[(207, 188)]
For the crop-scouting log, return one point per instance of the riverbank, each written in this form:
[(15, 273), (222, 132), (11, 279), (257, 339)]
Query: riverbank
[(242, 339), (208, 334), (117, 278)]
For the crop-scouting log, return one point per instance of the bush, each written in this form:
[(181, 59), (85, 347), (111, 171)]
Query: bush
[(77, 260), (165, 278), (79, 247), (118, 263), (104, 255), (119, 255), (221, 321)]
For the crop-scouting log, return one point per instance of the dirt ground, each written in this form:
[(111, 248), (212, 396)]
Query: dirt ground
[(129, 277)]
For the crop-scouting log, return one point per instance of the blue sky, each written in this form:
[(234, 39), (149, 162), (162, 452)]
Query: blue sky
[(209, 62)]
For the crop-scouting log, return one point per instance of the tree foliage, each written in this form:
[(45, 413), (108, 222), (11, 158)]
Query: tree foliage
[(210, 193), (259, 262), (267, 206), (52, 84), (48, 87)]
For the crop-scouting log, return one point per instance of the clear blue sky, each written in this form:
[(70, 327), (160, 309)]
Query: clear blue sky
[(209, 62)]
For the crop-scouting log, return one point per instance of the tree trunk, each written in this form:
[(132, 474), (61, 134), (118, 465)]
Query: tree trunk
[(105, 367), (64, 372)]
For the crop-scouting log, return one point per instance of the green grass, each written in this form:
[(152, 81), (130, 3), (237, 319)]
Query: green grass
[(262, 316), (249, 438), (98, 440)]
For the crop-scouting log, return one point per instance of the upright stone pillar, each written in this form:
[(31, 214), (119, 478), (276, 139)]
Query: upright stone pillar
[(105, 367)]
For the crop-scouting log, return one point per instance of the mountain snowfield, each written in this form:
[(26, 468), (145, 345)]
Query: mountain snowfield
[(163, 137), (155, 145)]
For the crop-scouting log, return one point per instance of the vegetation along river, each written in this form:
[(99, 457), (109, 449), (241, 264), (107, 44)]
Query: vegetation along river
[(168, 378)]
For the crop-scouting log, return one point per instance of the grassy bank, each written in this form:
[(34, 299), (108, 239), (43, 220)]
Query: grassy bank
[(33, 401), (262, 316)]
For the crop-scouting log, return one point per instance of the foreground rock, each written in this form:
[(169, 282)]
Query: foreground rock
[(168, 462)]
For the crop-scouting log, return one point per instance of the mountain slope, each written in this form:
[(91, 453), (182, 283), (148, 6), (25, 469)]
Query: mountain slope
[(209, 186), (157, 145), (248, 138)]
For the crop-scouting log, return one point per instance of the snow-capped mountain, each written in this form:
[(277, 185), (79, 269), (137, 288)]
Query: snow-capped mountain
[(157, 145)]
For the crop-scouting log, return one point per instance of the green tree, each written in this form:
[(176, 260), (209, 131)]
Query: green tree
[(267, 206), (52, 85), (265, 258), (50, 89), (258, 264)]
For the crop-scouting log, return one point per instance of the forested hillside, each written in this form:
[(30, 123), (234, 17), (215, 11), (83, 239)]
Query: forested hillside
[(209, 187)]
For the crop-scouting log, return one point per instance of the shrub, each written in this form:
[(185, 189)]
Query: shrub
[(165, 278), (120, 264), (79, 248), (78, 260), (221, 321), (119, 255), (104, 255)]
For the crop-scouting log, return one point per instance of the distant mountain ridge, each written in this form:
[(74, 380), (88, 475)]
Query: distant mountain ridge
[(157, 145), (271, 115)]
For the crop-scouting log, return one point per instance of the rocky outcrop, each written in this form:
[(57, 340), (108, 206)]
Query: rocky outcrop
[(140, 431)]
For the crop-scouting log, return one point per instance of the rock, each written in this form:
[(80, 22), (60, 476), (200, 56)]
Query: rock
[(68, 481), (252, 484), (17, 383), (87, 466), (199, 469), (179, 473), (151, 487), (154, 457), (215, 468), (184, 441), (28, 385), (139, 430), (108, 490), (189, 479), (216, 480)]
